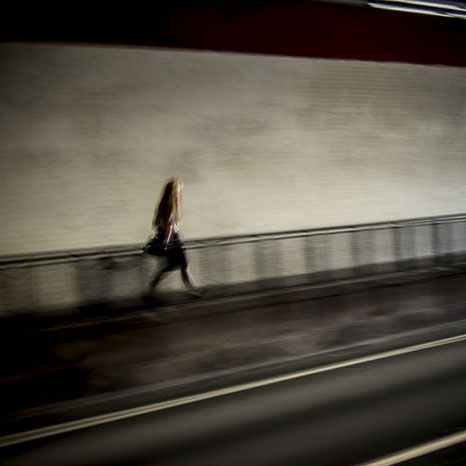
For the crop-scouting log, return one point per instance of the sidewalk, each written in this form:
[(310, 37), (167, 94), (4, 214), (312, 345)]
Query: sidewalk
[(59, 369)]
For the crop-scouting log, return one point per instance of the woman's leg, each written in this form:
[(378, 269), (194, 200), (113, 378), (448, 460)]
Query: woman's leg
[(157, 277), (188, 280)]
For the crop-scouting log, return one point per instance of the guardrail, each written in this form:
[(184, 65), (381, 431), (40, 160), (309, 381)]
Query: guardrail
[(71, 279)]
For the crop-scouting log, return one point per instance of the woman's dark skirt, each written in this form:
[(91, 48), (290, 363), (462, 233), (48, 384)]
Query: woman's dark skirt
[(176, 257), (175, 253)]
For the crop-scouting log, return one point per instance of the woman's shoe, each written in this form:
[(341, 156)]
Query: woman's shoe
[(196, 292)]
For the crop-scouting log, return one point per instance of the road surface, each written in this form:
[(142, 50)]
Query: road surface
[(345, 414)]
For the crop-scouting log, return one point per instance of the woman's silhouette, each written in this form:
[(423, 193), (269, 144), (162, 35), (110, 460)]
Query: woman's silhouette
[(166, 223)]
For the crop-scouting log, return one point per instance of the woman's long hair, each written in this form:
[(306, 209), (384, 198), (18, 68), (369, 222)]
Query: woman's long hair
[(168, 209)]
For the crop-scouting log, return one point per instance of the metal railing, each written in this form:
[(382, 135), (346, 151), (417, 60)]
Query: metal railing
[(233, 264)]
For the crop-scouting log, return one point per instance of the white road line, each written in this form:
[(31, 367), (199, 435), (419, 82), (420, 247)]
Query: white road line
[(420, 450), (57, 429)]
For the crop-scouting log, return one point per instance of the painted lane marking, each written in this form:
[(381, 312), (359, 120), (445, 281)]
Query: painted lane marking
[(420, 450), (57, 429)]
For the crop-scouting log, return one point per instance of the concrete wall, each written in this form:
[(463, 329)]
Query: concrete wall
[(89, 134)]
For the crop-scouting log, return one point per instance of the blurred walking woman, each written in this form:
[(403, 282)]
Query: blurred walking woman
[(166, 223)]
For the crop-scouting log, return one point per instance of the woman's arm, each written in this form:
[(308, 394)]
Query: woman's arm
[(168, 236)]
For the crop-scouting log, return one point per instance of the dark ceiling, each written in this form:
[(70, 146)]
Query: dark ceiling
[(293, 28)]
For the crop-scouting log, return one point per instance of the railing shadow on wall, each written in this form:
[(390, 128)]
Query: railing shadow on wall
[(116, 277)]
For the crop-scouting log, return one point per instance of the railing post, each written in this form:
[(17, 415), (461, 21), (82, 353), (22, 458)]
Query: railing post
[(309, 257), (462, 253), (355, 252), (413, 247), (410, 247), (225, 262), (397, 247), (371, 265), (436, 245), (449, 253), (277, 262), (259, 265), (219, 264)]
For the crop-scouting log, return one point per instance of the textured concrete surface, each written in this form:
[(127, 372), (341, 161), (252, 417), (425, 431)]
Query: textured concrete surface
[(264, 143), (67, 369)]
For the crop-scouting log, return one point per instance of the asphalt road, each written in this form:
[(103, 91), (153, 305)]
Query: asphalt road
[(342, 416)]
